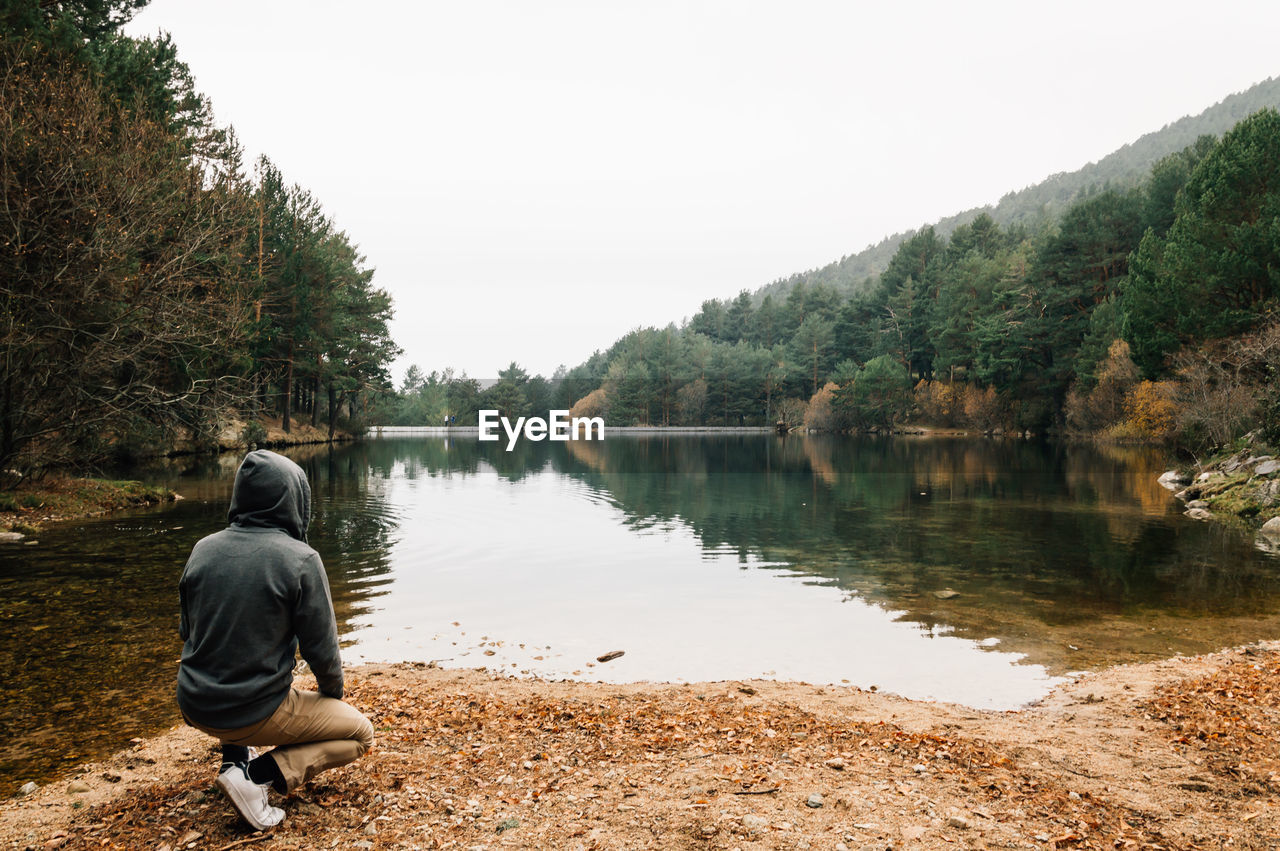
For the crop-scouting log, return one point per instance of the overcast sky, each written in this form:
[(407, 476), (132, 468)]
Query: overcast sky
[(534, 179)]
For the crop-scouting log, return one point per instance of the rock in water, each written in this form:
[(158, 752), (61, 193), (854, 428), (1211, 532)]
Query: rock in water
[(946, 594), (11, 537), (1173, 479), (610, 656), (1198, 513), (1271, 528)]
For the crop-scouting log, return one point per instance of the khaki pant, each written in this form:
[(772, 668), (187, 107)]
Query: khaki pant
[(311, 733)]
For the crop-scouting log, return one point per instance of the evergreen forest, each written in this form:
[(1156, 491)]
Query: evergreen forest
[(1146, 310), (155, 289)]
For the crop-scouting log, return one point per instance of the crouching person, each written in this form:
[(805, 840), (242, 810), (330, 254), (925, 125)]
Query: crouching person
[(251, 597)]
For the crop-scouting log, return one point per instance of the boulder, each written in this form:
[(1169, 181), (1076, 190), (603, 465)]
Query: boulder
[(1271, 528), (1172, 479), (1198, 513), (1197, 503), (1266, 468)]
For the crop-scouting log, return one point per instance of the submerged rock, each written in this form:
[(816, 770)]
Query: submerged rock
[(946, 594), (1198, 513)]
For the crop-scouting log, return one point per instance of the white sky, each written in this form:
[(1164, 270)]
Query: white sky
[(534, 179)]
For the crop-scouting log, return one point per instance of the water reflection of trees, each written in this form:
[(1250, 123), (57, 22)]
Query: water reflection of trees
[(899, 517)]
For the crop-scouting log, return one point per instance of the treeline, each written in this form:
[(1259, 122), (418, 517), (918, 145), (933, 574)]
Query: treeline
[(1038, 205), (152, 290), (1148, 311)]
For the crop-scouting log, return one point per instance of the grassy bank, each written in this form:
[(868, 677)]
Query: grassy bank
[(24, 509)]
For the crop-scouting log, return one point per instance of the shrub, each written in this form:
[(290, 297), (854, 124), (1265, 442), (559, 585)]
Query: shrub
[(594, 404), (983, 409), (1150, 411), (253, 434), (937, 402), (821, 414)]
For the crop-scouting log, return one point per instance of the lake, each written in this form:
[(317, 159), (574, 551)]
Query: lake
[(956, 569)]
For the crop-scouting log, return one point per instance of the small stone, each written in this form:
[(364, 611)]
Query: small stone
[(814, 801), (1204, 477), (1075, 796), (371, 829), (958, 823), (189, 836), (610, 656), (946, 594), (919, 768), (709, 830), (1197, 503), (77, 787), (111, 777), (507, 824), (1198, 513), (753, 822), (840, 846), (28, 788), (837, 763)]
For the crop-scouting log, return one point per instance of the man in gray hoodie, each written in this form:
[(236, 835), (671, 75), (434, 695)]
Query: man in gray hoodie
[(251, 597)]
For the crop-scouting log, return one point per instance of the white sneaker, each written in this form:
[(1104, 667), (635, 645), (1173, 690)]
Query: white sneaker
[(249, 799)]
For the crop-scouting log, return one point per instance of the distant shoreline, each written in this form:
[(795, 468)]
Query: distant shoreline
[(397, 431)]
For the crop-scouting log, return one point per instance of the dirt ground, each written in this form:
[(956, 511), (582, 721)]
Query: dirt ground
[(1181, 753)]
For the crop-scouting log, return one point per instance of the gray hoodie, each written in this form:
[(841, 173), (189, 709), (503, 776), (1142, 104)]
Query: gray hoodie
[(251, 596)]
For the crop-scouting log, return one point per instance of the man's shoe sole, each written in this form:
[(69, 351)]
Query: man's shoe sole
[(242, 807)]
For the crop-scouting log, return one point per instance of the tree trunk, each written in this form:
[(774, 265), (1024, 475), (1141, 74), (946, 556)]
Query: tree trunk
[(288, 392), (333, 411), (315, 393)]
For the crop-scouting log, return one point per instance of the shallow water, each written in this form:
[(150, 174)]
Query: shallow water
[(964, 570)]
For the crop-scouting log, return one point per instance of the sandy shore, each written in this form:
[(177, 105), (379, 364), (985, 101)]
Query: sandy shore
[(1179, 753)]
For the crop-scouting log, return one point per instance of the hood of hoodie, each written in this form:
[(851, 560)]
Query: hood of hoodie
[(271, 492)]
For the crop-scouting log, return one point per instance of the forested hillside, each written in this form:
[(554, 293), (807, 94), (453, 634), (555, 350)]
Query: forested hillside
[(1037, 206), (152, 287), (1144, 312)]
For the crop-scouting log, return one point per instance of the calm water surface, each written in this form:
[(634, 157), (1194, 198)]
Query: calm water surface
[(704, 558)]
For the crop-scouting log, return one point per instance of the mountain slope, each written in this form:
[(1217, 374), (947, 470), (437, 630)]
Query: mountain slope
[(1045, 200)]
